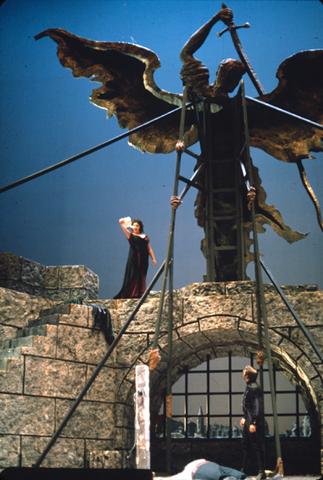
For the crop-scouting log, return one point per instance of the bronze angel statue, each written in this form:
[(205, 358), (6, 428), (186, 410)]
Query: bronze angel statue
[(129, 92)]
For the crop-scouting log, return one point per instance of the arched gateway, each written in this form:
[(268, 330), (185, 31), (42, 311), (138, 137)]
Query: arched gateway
[(50, 351), (217, 319)]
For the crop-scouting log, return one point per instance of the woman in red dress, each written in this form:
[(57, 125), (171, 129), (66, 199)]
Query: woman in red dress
[(134, 283)]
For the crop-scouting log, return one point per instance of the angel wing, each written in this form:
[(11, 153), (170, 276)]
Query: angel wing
[(128, 90), (299, 91), (130, 93)]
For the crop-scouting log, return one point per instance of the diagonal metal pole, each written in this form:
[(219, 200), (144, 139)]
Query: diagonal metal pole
[(87, 152), (260, 285), (100, 366), (292, 311), (172, 225), (286, 112), (169, 367), (169, 268)]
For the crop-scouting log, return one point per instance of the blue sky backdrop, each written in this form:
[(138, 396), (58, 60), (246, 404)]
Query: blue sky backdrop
[(70, 216)]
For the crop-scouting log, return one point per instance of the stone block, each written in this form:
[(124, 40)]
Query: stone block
[(96, 445), (65, 453), (16, 309), (202, 289), (78, 315), (56, 283), (44, 346), (124, 440), (51, 277), (103, 388), (82, 292), (105, 459), (145, 319), (22, 415), (124, 385), (18, 286), (308, 307), (32, 273), (218, 322), (274, 337), (47, 320), (123, 308), (294, 289), (9, 451), (125, 414), (317, 386), (7, 333), (181, 349), (77, 276), (59, 295), (53, 378), (317, 336), (60, 309), (90, 419), (80, 344), (11, 380), (244, 287), (10, 267), (130, 348), (247, 328), (199, 307), (290, 349), (217, 337)]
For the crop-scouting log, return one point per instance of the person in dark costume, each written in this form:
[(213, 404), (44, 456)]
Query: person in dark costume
[(134, 283), (252, 421)]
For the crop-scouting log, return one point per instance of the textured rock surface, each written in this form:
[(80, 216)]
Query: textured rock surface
[(51, 351), (56, 283)]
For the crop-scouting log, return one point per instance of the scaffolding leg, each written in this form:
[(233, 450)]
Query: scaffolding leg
[(169, 370), (171, 229), (260, 292)]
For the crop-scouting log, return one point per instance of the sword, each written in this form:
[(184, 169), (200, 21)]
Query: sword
[(243, 57)]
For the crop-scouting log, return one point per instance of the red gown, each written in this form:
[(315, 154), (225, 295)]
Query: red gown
[(134, 283)]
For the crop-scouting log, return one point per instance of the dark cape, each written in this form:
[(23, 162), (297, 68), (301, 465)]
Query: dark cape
[(134, 283)]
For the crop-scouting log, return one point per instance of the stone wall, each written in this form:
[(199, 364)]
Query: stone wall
[(42, 371), (50, 351), (56, 283)]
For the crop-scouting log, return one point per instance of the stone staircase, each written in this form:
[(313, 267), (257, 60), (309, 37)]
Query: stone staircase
[(29, 338), (8, 355), (13, 348)]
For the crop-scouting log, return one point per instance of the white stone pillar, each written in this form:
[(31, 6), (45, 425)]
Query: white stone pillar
[(142, 417)]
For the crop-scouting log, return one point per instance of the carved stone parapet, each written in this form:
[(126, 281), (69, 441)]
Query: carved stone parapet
[(56, 283)]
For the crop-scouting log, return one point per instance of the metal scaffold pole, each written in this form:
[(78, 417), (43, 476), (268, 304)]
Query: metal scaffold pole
[(169, 270), (172, 226), (260, 288)]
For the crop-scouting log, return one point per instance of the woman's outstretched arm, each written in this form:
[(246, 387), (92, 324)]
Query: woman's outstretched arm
[(122, 225)]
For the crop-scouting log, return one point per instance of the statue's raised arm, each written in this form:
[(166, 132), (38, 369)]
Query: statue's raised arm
[(195, 74)]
